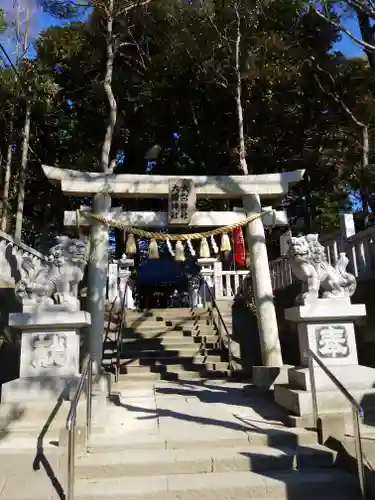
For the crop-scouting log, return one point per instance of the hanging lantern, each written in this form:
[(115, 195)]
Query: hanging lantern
[(153, 251), (131, 246), (179, 252), (204, 250), (225, 243)]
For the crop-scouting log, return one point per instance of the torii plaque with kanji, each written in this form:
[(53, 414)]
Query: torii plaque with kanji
[(182, 199)]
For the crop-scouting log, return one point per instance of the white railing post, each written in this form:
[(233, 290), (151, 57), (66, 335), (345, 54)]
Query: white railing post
[(347, 229), (112, 285), (218, 279), (207, 272), (124, 271)]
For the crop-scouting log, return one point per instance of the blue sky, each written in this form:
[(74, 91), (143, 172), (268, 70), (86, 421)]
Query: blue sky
[(346, 46), (41, 21)]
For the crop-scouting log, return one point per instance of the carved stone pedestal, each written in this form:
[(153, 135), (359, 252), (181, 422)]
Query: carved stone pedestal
[(50, 345), (326, 326)]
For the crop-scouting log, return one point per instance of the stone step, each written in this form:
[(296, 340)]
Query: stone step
[(112, 327), (174, 375), (112, 309), (176, 318), (222, 485), (168, 320), (167, 346), (171, 311), (202, 461), (168, 326), (29, 414), (186, 351), (171, 340), (125, 368), (271, 436), (166, 333), (163, 361), (299, 402), (161, 318), (145, 347)]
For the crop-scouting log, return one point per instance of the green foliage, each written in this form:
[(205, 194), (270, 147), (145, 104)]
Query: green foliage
[(174, 73), (2, 21)]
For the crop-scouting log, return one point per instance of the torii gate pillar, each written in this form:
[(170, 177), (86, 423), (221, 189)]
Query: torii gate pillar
[(262, 286), (97, 278)]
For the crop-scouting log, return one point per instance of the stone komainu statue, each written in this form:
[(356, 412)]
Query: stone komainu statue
[(57, 281), (310, 266)]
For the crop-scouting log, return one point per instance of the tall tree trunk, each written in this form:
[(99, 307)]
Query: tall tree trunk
[(112, 118), (367, 34), (364, 167), (25, 145), (7, 175), (23, 172), (9, 155), (241, 134)]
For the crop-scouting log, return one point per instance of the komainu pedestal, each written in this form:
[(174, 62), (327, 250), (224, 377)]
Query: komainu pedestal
[(50, 346), (325, 319), (50, 325), (327, 328)]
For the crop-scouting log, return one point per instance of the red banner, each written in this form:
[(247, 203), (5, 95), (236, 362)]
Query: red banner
[(239, 246)]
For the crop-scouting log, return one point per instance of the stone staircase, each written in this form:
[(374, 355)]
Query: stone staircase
[(184, 441), (193, 449), (190, 439), (165, 344)]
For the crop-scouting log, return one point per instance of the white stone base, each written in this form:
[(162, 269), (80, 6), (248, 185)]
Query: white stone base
[(266, 377), (296, 397), (39, 389), (49, 364), (102, 386), (351, 377), (299, 402), (326, 326)]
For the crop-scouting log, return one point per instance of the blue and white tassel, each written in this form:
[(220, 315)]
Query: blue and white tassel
[(191, 248), (170, 249), (215, 248)]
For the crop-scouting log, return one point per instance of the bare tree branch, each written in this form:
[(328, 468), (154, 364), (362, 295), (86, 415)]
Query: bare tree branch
[(106, 148), (140, 3), (335, 96), (339, 26), (365, 144), (368, 9), (242, 148)]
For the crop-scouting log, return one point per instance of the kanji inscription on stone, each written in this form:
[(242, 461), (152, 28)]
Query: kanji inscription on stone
[(48, 350), (332, 341), (182, 198)]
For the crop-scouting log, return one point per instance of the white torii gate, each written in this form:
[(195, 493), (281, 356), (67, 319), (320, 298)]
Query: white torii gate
[(250, 188)]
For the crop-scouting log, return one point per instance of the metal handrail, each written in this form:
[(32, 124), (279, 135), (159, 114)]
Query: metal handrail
[(120, 333), (106, 335), (71, 421), (221, 320), (357, 412)]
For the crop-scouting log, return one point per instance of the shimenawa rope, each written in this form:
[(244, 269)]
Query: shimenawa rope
[(172, 237)]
